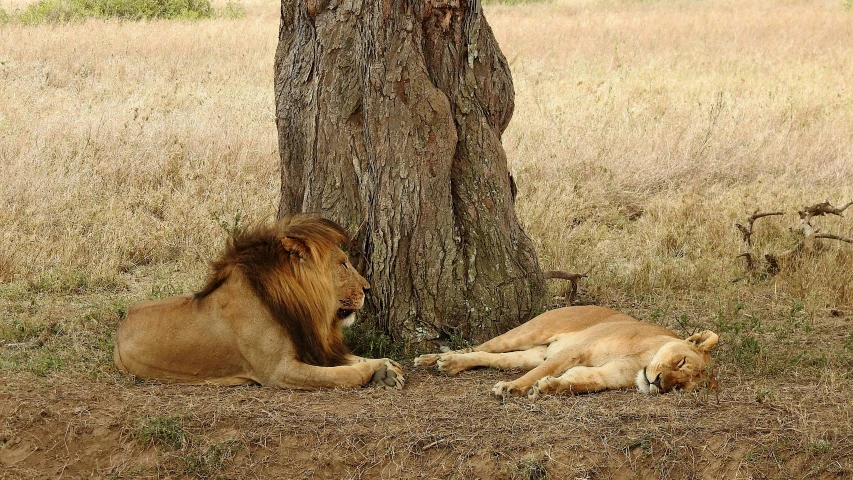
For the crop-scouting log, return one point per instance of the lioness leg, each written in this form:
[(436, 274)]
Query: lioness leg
[(308, 377), (453, 363), (610, 376), (561, 361), (530, 335), (430, 359)]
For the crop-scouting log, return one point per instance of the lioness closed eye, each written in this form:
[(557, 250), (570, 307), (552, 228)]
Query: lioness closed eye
[(271, 313), (587, 349)]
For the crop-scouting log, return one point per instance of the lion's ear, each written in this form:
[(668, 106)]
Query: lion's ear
[(704, 340), (296, 247)]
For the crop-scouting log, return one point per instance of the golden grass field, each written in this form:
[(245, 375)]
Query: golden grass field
[(643, 130)]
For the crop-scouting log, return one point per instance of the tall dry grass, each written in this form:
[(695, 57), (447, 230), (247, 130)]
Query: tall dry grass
[(642, 132), (126, 144)]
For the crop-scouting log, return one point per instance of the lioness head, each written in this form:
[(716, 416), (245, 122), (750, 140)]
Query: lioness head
[(679, 365), (349, 287)]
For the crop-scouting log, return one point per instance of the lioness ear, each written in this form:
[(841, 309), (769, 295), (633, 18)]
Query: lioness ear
[(296, 247), (704, 340)]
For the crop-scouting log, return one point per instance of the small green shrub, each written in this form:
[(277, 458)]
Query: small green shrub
[(821, 446), (168, 431), (230, 225), (366, 341), (56, 11), (4, 18)]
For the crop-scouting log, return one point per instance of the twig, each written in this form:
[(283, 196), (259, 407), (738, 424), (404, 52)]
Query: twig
[(574, 278), (833, 237)]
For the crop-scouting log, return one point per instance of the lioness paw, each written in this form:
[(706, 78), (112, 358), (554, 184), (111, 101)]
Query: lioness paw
[(448, 365), (388, 375), (427, 360), (504, 389), (542, 386)]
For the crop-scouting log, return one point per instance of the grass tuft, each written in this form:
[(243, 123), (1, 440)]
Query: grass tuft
[(206, 463), (160, 431), (533, 468)]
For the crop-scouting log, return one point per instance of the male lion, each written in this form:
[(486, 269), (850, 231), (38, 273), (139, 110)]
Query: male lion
[(270, 314), (587, 349)]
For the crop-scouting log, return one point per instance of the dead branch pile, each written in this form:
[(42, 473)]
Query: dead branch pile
[(804, 232)]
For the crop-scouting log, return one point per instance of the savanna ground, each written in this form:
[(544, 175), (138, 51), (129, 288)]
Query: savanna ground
[(642, 132)]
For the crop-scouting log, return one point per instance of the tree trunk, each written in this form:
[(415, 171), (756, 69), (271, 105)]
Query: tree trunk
[(390, 115)]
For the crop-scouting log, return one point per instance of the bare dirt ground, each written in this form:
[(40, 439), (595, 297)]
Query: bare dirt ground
[(437, 427)]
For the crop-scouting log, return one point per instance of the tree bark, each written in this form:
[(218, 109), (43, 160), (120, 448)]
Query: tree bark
[(390, 115)]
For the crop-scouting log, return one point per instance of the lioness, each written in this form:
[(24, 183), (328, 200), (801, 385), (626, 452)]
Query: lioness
[(271, 313), (587, 349)]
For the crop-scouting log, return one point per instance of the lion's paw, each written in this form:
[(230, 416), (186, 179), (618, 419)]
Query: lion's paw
[(388, 375), (427, 360), (505, 389), (543, 386)]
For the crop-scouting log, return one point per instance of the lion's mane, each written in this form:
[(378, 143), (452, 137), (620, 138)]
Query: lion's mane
[(287, 264)]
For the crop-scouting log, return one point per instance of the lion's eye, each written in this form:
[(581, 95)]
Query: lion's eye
[(683, 361)]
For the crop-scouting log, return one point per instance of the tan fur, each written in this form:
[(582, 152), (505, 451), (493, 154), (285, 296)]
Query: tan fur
[(270, 314), (587, 349)]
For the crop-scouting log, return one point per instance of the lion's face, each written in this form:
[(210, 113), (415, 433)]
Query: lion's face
[(349, 287), (679, 365)]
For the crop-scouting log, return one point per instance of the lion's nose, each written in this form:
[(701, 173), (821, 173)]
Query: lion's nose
[(657, 382)]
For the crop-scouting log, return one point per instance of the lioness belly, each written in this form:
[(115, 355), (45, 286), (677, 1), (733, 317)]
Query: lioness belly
[(602, 343)]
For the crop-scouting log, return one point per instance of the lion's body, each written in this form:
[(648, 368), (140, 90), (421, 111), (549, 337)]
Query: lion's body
[(585, 349), (268, 315)]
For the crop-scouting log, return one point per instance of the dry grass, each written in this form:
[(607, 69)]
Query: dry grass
[(642, 132), (685, 117)]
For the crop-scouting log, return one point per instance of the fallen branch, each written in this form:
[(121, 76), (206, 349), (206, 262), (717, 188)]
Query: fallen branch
[(746, 232), (819, 210), (833, 237), (574, 278), (805, 230)]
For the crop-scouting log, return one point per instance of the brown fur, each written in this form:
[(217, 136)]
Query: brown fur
[(587, 349), (272, 257), (270, 313)]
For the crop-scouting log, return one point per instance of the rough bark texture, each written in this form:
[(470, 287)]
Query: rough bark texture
[(389, 117)]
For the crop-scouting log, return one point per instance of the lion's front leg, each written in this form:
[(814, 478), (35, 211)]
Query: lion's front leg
[(386, 374), (294, 374)]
